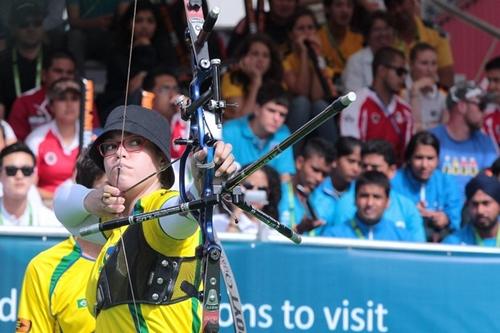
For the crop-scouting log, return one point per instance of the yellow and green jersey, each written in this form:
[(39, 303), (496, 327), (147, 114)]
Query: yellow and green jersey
[(53, 292), (183, 316)]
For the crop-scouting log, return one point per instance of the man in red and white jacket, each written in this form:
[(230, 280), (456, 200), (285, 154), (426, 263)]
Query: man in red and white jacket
[(491, 122), (32, 109), (379, 113)]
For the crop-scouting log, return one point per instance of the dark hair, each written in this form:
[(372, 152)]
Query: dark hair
[(275, 71), (380, 147), (421, 138), (327, 3), (274, 195), (123, 30), (420, 47), (373, 178), (57, 54), (495, 167), (87, 172), (384, 57), (17, 147), (273, 92), (319, 147), (377, 15), (346, 145), (492, 64), (149, 81), (300, 12), (391, 3)]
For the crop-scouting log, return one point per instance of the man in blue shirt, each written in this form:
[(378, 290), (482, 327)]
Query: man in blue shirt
[(372, 199), (483, 203), (378, 155), (254, 135), (465, 150), (313, 164)]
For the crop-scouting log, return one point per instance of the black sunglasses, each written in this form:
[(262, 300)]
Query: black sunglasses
[(400, 71), (11, 170), (249, 186), (29, 23)]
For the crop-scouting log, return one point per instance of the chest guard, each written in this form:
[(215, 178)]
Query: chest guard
[(155, 278)]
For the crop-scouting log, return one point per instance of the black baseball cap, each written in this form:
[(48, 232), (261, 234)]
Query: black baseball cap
[(23, 11), (139, 121)]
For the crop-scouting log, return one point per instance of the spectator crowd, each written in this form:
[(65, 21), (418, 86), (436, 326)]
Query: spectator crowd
[(414, 158)]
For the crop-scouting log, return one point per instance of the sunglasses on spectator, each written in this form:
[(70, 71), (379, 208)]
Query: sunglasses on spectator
[(131, 144), (250, 186), (12, 170), (29, 23), (400, 71)]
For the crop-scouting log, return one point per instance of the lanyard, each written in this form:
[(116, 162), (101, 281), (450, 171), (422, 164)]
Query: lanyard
[(357, 229), (291, 204), (480, 242), (30, 212), (15, 70)]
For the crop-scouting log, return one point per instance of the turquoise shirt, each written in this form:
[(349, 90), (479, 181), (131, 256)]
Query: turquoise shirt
[(247, 147)]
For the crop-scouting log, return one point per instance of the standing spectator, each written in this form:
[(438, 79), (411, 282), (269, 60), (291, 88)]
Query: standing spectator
[(53, 294), (346, 168), (427, 99), (258, 62), (411, 29), (378, 112), (465, 150), (491, 123), (358, 71), (31, 109), (372, 193), (55, 144), (434, 193), (254, 135), (150, 48), (21, 63), (90, 22), (261, 190), (339, 42), (313, 165), (312, 90), (17, 175), (483, 204), (274, 24), (378, 155)]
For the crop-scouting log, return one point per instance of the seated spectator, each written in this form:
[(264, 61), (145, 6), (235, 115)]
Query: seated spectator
[(56, 143), (427, 99), (378, 155), (339, 42), (358, 70), (31, 110), (411, 29), (372, 199), (273, 23), (312, 90), (21, 62), (150, 48), (435, 194), (90, 34), (313, 164), (483, 204), (254, 135), (17, 175), (378, 112), (491, 124), (258, 61), (465, 150), (346, 168), (261, 190), (55, 281)]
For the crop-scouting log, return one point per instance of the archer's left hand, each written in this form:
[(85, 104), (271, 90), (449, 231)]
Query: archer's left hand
[(225, 164)]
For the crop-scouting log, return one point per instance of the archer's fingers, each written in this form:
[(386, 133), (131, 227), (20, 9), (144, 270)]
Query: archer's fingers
[(227, 167), (222, 152)]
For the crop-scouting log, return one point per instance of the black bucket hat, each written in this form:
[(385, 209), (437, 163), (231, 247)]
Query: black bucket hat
[(139, 121)]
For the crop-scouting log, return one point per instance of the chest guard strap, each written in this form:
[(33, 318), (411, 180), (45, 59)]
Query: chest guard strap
[(155, 278)]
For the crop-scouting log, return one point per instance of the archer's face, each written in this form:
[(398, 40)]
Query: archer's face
[(134, 160)]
